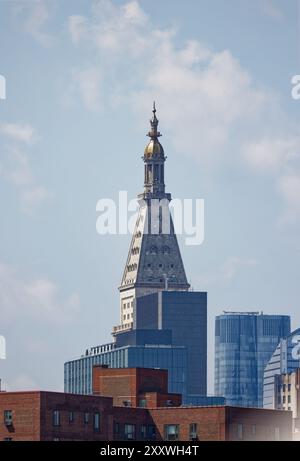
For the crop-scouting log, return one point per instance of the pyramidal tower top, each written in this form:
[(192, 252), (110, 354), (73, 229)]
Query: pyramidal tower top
[(154, 261)]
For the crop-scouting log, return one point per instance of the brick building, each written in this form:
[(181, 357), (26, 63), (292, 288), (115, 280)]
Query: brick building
[(134, 387), (59, 416)]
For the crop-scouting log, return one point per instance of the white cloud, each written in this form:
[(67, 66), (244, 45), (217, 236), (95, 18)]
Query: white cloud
[(28, 297), (289, 186), (271, 154), (33, 198), (77, 27), (208, 103), (34, 16), (17, 132), (227, 271), (271, 9), (87, 83), (16, 167), (201, 94)]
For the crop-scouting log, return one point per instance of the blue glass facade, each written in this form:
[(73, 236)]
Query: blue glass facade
[(78, 373), (170, 332), (285, 359), (244, 344), (185, 314)]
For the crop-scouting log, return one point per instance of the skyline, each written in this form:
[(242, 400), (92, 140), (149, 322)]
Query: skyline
[(72, 130)]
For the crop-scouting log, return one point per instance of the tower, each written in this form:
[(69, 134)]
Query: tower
[(154, 261)]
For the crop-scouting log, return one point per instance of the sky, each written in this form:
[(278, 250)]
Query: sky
[(80, 81)]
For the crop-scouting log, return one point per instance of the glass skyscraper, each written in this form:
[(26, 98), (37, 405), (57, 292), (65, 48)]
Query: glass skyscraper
[(78, 373), (244, 343)]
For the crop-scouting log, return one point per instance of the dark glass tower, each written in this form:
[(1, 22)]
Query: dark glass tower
[(244, 343)]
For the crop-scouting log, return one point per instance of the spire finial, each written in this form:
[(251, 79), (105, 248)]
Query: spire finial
[(154, 123)]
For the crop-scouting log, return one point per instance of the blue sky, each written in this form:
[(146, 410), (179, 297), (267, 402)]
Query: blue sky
[(81, 77)]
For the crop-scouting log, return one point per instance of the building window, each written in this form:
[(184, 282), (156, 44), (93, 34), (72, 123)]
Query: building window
[(171, 431), (289, 387), (71, 417), (284, 399), (151, 432), (86, 418), (7, 439), (97, 422), (289, 399), (142, 403), (8, 420), (144, 431), (116, 428), (129, 430), (193, 431), (56, 418), (240, 431), (284, 387)]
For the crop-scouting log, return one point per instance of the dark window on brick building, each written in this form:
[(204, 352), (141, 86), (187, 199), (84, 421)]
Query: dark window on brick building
[(151, 432), (71, 417), (129, 430), (56, 418), (143, 431), (142, 403), (193, 431), (117, 428), (97, 422), (8, 419), (171, 431), (240, 431), (86, 418)]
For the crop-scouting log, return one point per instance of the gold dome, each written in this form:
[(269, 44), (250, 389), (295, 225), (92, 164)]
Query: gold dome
[(154, 149)]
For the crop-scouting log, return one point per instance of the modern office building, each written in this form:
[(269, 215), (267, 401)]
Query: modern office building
[(284, 360), (244, 343), (162, 323), (185, 315), (78, 373)]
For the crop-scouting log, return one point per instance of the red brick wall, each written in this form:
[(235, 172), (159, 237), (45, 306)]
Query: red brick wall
[(156, 400), (119, 383), (26, 415), (265, 422), (210, 421), (79, 404), (33, 419), (128, 383)]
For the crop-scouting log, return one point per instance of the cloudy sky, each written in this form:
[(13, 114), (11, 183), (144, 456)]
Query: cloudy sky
[(81, 77)]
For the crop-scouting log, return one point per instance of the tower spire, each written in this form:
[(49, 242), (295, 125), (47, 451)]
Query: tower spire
[(154, 259), (153, 133)]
